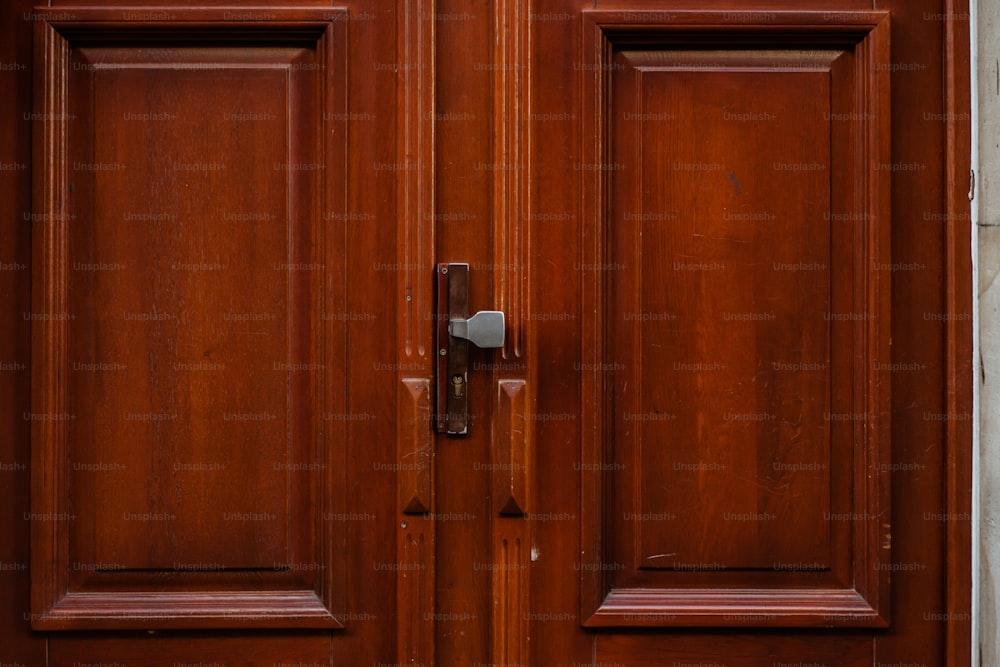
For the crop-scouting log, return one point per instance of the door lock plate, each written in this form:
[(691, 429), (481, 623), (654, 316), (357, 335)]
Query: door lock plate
[(455, 330)]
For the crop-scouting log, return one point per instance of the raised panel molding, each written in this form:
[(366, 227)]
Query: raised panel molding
[(277, 560), (416, 224), (511, 459), (512, 437), (735, 226)]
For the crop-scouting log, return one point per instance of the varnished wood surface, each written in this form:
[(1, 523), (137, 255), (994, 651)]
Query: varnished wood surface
[(178, 354), (916, 630), (19, 644), (959, 372), (743, 425), (492, 575)]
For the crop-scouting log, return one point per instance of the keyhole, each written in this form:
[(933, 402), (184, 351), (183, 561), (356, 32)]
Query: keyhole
[(457, 385)]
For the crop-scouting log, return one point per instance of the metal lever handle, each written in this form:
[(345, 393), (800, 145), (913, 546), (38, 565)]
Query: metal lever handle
[(485, 329)]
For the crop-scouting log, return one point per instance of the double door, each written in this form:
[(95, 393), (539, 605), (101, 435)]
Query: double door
[(727, 422)]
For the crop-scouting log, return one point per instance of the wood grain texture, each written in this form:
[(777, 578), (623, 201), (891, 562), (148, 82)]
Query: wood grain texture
[(256, 650), (504, 84), (705, 247), (511, 168), (415, 541), (141, 384), (464, 139), (511, 461), (415, 592), (416, 221), (49, 570), (511, 466), (416, 447), (416, 349), (511, 594), (20, 645), (734, 649), (920, 307), (960, 291)]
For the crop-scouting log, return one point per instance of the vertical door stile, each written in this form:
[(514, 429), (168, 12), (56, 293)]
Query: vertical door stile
[(415, 349), (511, 468)]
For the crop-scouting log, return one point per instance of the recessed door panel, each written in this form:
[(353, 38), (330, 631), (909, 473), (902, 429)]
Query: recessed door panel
[(190, 365), (743, 322), (735, 286), (189, 293), (729, 422)]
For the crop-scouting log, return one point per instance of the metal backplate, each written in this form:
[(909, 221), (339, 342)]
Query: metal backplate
[(453, 353)]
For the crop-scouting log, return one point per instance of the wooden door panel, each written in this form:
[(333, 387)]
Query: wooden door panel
[(732, 649), (260, 650), (737, 380), (701, 419), (189, 367), (680, 456), (182, 316)]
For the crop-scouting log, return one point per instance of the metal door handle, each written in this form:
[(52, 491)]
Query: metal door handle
[(455, 330), (484, 329)]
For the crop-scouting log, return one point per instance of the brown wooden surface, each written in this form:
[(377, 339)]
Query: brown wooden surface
[(185, 331), (464, 143), (153, 650), (415, 290), (19, 645), (916, 631), (959, 367), (472, 132), (743, 329)]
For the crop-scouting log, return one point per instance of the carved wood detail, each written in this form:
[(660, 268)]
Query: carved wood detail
[(625, 582), (415, 195), (416, 443), (511, 594), (511, 458), (415, 591), (149, 594), (512, 419), (512, 168), (415, 234)]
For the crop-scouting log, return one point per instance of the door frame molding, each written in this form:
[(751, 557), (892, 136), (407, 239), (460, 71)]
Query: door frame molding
[(959, 295)]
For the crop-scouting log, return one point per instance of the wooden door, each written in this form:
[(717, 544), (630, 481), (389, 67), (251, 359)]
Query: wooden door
[(748, 377), (730, 422)]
